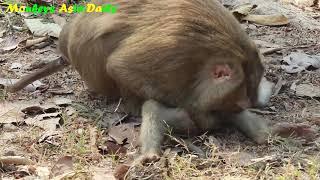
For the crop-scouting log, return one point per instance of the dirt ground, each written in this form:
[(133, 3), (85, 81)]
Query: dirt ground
[(61, 131)]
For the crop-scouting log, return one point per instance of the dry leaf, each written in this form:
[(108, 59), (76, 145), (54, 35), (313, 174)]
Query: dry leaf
[(34, 110), (121, 171), (101, 173), (59, 20), (269, 20), (16, 66), (281, 82), (10, 44), (64, 166), (11, 112), (298, 61), (308, 90), (243, 10), (113, 149), (267, 51), (124, 133), (267, 47), (38, 28), (31, 42), (62, 101), (297, 130), (313, 114), (263, 159), (59, 91), (17, 160), (70, 111), (2, 33), (302, 3), (49, 121), (42, 172), (25, 14), (49, 137)]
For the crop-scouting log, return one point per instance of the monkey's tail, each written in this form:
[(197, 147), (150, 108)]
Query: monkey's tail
[(50, 68)]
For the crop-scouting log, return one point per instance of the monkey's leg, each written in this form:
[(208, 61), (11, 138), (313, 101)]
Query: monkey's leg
[(251, 125), (158, 120), (50, 68)]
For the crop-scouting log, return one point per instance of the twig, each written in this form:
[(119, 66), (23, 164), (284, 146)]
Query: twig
[(278, 86), (272, 50), (18, 160), (118, 105), (258, 111)]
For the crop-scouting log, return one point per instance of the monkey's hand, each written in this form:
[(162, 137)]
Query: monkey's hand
[(146, 158)]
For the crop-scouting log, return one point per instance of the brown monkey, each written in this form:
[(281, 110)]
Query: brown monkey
[(187, 63)]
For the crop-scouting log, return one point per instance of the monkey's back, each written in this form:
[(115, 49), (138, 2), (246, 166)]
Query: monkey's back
[(166, 42)]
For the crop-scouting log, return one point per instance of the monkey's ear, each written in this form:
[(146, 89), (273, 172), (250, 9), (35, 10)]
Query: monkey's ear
[(221, 71)]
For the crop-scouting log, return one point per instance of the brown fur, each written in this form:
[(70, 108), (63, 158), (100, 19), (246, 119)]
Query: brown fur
[(187, 37), (160, 55)]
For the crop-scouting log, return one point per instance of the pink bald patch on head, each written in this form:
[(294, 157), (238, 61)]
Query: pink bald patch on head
[(221, 71)]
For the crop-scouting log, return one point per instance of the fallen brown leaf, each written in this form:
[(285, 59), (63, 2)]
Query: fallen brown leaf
[(243, 10), (307, 90), (121, 171), (31, 42), (34, 110), (17, 160), (38, 28), (48, 122), (297, 130), (113, 149), (59, 20), (268, 20), (62, 101), (11, 112), (101, 173), (63, 166), (125, 133)]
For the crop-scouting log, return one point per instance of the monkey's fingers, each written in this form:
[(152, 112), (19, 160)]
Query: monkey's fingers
[(147, 158)]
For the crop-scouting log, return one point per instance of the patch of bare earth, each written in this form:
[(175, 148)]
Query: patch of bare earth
[(86, 136)]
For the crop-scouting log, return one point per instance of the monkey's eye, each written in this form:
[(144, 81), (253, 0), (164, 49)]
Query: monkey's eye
[(221, 71)]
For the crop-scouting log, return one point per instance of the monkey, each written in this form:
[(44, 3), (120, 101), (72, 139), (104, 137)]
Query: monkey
[(183, 64)]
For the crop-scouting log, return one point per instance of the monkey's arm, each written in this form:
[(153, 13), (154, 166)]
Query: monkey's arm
[(50, 68), (158, 120), (251, 125), (256, 128)]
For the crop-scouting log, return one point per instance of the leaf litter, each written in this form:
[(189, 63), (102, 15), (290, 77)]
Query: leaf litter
[(299, 61), (39, 28), (243, 13)]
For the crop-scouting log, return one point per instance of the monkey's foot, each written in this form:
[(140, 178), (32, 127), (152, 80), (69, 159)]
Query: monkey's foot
[(261, 138), (147, 158)]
